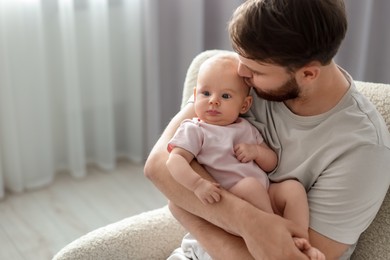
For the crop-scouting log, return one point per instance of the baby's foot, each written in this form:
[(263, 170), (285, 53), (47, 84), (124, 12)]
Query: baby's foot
[(312, 252), (301, 243)]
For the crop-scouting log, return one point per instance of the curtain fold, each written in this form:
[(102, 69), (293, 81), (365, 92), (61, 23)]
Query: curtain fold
[(25, 121), (72, 121), (88, 81), (132, 70)]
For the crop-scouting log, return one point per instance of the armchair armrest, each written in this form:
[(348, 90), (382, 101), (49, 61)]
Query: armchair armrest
[(150, 235)]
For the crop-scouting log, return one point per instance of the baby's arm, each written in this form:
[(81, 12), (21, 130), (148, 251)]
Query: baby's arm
[(178, 164), (264, 156)]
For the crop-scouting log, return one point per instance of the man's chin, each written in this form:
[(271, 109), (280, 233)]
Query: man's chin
[(270, 97)]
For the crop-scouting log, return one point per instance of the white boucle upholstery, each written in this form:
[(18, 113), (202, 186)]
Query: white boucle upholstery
[(149, 235), (154, 234)]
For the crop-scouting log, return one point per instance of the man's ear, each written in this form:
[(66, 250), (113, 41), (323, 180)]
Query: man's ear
[(246, 105), (309, 72)]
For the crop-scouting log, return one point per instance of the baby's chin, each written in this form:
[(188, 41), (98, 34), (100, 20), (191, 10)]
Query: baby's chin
[(218, 122)]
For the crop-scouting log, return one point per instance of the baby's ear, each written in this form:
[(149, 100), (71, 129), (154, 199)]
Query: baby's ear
[(194, 93), (246, 105)]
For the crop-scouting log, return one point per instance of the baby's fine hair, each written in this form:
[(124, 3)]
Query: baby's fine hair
[(228, 58)]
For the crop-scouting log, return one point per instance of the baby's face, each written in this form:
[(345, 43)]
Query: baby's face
[(221, 94)]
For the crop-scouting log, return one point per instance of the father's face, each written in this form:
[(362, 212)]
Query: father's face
[(271, 82)]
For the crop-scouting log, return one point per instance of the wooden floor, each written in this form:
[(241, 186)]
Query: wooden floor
[(37, 224)]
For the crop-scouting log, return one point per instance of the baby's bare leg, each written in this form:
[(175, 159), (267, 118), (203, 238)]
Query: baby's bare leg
[(251, 190), (289, 200)]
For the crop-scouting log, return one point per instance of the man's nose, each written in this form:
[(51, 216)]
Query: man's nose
[(243, 71)]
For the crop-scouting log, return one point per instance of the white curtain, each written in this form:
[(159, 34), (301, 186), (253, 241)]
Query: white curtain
[(88, 81), (71, 88)]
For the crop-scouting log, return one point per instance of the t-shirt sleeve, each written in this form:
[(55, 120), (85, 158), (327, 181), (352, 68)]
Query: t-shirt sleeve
[(348, 194), (188, 136), (254, 132), (259, 137)]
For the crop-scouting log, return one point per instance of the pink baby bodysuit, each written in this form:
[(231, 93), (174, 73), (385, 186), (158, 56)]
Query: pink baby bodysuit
[(212, 145)]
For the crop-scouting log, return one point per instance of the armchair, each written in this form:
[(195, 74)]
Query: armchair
[(155, 234)]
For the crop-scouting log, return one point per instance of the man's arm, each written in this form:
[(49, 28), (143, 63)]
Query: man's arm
[(233, 246), (332, 250), (267, 236)]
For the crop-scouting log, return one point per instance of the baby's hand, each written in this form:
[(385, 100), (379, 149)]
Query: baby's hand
[(208, 192), (246, 152)]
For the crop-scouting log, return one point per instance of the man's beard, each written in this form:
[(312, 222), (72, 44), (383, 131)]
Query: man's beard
[(289, 90)]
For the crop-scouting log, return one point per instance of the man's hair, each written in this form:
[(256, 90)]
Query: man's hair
[(289, 33)]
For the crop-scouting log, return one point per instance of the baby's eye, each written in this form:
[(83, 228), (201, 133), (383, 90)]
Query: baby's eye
[(206, 93), (226, 96)]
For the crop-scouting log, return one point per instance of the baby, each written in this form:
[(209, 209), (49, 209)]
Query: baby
[(226, 145)]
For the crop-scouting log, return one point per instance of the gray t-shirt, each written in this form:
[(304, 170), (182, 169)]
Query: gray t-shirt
[(342, 158)]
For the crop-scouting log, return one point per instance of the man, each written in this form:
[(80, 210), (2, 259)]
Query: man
[(327, 135)]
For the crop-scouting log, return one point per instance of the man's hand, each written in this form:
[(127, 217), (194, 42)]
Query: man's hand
[(207, 192), (271, 237)]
